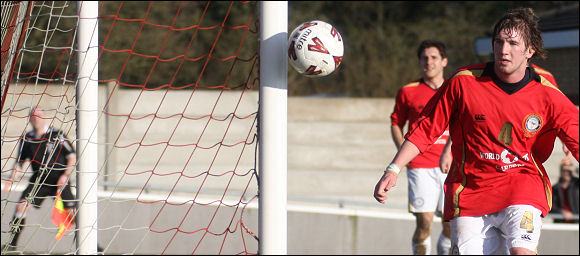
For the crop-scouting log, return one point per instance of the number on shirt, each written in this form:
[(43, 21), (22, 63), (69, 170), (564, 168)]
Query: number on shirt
[(505, 134), (528, 222)]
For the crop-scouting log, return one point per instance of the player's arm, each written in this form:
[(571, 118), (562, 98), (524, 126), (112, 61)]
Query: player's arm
[(407, 152), (424, 132), (399, 117), (71, 160), (70, 164), (14, 175), (572, 144), (397, 134), (446, 158), (436, 115), (567, 122)]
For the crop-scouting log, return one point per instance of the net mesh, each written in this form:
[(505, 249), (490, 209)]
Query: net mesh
[(177, 124)]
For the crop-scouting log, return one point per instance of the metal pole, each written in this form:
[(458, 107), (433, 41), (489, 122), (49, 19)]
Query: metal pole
[(273, 119), (87, 93)]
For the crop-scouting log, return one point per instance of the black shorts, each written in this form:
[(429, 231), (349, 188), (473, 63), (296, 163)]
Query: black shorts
[(44, 191)]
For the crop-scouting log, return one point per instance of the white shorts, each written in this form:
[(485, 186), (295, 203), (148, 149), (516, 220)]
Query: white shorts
[(426, 192), (496, 233)]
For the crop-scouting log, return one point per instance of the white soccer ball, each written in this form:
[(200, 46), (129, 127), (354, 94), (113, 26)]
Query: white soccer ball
[(315, 48)]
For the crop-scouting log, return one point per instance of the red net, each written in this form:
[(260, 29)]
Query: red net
[(177, 123)]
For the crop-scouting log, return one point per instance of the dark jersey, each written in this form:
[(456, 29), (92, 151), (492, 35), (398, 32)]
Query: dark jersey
[(47, 154)]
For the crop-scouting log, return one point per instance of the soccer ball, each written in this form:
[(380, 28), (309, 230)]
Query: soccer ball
[(315, 49)]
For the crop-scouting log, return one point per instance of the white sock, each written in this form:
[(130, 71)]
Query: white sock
[(422, 248), (443, 245)]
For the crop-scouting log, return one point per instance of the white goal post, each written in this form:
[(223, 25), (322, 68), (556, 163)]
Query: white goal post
[(273, 128), (87, 94)]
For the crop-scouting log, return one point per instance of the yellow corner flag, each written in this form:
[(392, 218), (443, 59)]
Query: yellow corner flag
[(61, 217)]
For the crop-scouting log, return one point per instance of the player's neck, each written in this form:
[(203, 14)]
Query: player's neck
[(434, 82), (511, 78)]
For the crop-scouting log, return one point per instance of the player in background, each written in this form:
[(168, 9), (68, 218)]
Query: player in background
[(503, 116), (52, 159), (425, 178)]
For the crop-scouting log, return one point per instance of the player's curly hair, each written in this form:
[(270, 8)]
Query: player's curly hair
[(525, 21)]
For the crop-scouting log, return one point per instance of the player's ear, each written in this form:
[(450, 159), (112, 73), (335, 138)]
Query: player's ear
[(444, 62), (529, 52)]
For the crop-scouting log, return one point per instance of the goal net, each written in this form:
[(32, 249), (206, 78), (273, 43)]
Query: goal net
[(177, 124)]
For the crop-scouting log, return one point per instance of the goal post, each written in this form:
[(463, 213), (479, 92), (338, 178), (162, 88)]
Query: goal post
[(87, 95), (273, 128)]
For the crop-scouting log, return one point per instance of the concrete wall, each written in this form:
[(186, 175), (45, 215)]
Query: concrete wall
[(337, 150), (312, 229)]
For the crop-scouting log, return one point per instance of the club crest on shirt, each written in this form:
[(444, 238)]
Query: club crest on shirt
[(532, 125)]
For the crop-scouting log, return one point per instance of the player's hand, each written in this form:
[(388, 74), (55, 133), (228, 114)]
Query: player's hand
[(386, 182), (445, 162), (568, 158)]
